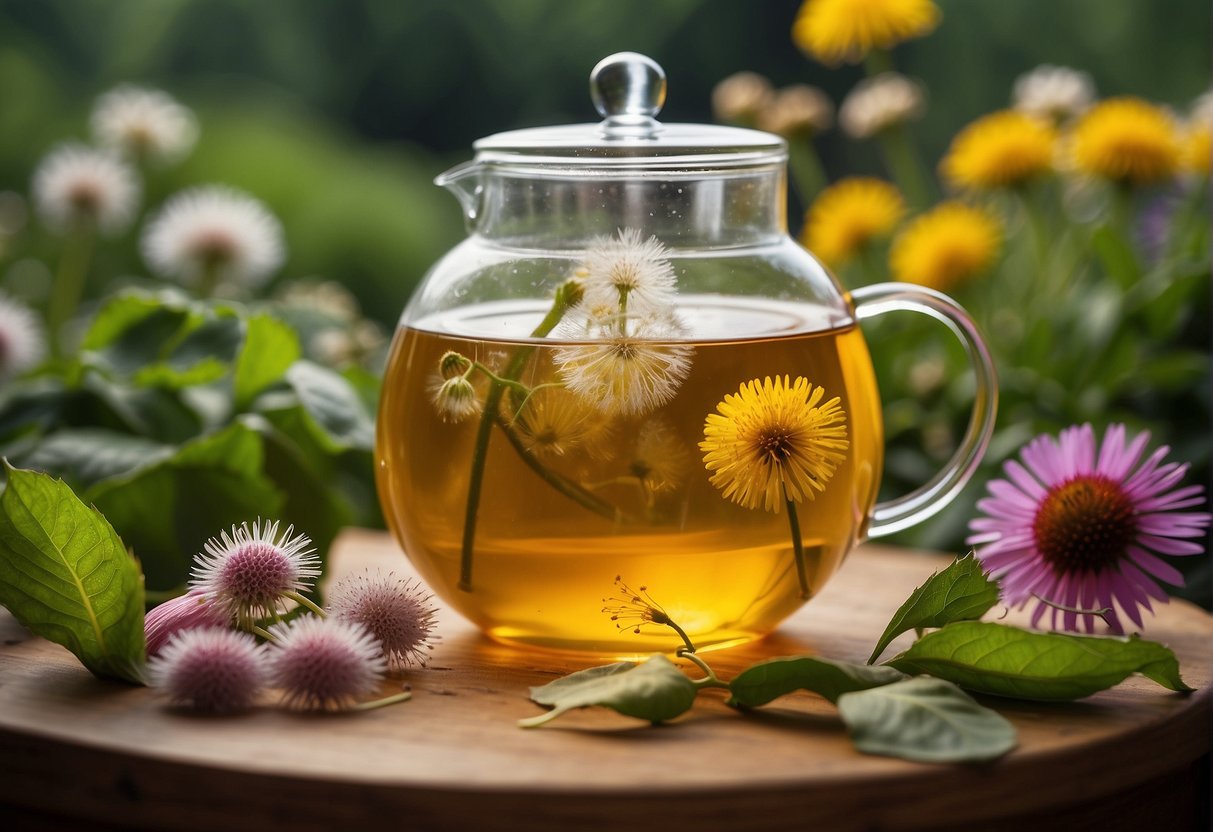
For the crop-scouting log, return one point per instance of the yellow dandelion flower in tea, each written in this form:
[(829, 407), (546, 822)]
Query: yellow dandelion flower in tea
[(846, 30), (1001, 150), (774, 442), (945, 246), (849, 215), (1127, 140)]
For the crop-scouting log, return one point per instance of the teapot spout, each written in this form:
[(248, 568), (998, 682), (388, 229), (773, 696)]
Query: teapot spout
[(464, 182)]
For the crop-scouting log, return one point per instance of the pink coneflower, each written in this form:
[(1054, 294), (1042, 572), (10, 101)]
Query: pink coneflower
[(252, 573), (395, 611), (186, 612), (324, 663), (209, 669), (1080, 527)]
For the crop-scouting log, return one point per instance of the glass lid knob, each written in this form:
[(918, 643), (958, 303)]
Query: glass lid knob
[(628, 89)]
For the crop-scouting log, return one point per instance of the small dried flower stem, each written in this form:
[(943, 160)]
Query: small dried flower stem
[(566, 487), (374, 704), (69, 284), (710, 679), (1102, 612), (802, 574), (303, 601), (261, 632), (690, 645), (480, 452)]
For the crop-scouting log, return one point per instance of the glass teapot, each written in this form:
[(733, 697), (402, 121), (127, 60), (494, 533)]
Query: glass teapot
[(629, 398)]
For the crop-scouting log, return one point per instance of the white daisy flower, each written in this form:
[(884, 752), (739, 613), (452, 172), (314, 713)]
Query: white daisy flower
[(798, 110), (76, 186), (252, 573), (741, 97), (22, 339), (144, 123), (1057, 93), (214, 233), (880, 103)]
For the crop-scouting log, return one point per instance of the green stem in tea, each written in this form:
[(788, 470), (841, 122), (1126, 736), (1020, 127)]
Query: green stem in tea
[(802, 573), (492, 401), (566, 487)]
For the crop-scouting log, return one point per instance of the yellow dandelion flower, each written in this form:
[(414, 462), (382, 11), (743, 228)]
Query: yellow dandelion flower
[(1127, 140), (849, 215), (834, 31), (945, 246), (1001, 150), (1197, 149), (774, 442)]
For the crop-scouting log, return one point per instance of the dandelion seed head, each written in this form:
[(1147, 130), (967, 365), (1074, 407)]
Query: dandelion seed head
[(79, 187), (144, 123), (214, 231)]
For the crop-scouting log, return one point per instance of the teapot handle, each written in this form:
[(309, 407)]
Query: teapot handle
[(925, 501)]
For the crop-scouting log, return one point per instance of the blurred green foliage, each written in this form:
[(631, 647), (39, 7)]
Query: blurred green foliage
[(338, 115)]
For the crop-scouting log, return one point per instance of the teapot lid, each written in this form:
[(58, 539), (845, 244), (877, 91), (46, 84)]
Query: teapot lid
[(628, 90)]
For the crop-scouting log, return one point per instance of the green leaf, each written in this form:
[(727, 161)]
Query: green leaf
[(200, 353), (132, 331), (655, 690), (333, 405), (961, 592), (65, 575), (768, 680), (85, 456), (926, 720), (1023, 664), (270, 347), (167, 511)]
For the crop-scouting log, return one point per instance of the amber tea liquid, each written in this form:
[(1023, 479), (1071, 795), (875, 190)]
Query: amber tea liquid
[(543, 562)]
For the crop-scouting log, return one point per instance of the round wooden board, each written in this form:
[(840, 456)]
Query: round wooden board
[(76, 749)]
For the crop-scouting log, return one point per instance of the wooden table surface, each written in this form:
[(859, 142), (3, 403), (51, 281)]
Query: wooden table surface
[(74, 749)]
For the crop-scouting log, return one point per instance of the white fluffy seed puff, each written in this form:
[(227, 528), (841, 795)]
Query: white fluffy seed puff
[(80, 188), (22, 340), (209, 669), (396, 611), (249, 573), (324, 663), (144, 124), (214, 233)]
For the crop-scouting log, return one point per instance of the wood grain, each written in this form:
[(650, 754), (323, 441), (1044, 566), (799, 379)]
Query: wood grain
[(73, 748)]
